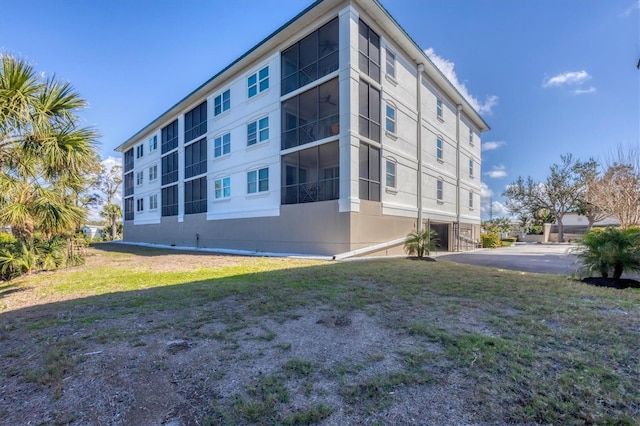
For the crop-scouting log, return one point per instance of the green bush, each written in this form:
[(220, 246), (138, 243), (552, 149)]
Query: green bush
[(6, 239), (506, 243), (490, 240), (421, 243), (610, 251), (510, 239)]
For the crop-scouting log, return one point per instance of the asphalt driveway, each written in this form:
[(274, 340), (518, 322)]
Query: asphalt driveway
[(527, 257)]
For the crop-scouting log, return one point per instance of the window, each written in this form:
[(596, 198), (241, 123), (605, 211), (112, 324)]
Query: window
[(139, 178), (128, 208), (311, 58), (311, 175), (128, 184), (195, 158), (222, 188), (153, 143), (258, 131), (439, 149), (391, 119), (128, 160), (222, 102), (170, 201), (471, 168), (195, 196), (169, 137), (153, 172), (222, 145), (369, 99), (369, 51), (439, 109), (470, 199), (391, 64), (139, 150), (391, 174), (258, 82), (169, 168), (195, 122), (470, 136), (258, 181), (439, 189), (312, 115), (140, 204), (369, 172), (153, 202)]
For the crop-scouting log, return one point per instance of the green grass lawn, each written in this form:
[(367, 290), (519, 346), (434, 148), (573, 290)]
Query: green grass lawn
[(537, 348)]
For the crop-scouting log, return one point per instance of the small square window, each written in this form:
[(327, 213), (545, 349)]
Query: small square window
[(222, 102), (222, 145), (391, 119), (391, 174), (391, 64), (258, 82), (258, 131), (222, 188), (258, 181)]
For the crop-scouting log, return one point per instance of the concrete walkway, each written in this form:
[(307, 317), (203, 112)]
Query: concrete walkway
[(527, 257)]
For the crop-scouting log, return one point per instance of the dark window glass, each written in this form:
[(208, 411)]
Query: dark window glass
[(169, 137), (170, 201), (170, 168), (311, 58), (312, 115), (195, 158), (311, 175), (128, 184), (128, 160), (369, 110), (195, 196), (369, 165), (128, 208), (368, 51), (195, 122)]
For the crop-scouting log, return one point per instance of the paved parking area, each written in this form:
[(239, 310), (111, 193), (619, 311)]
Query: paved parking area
[(527, 257)]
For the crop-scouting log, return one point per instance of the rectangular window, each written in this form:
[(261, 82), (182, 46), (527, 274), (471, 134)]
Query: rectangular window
[(222, 188), (222, 102), (139, 178), (195, 196), (439, 149), (471, 199), (128, 184), (153, 202), (471, 168), (153, 172), (128, 209), (258, 131), (222, 145), (258, 82), (195, 158), (369, 51), (128, 160), (169, 137), (195, 122), (140, 204), (470, 136), (439, 109), (153, 143), (391, 64), (311, 58), (170, 201), (391, 119), (311, 175), (312, 115), (369, 172), (369, 110), (391, 174), (139, 150), (169, 168), (258, 181), (439, 189)]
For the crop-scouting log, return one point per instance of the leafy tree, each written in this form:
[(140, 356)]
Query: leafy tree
[(421, 243), (44, 152), (561, 191), (497, 225), (109, 184)]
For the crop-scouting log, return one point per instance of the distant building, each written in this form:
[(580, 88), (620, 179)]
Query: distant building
[(92, 231), (335, 133)]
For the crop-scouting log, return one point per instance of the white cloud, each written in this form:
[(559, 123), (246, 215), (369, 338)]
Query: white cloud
[(570, 78), (489, 207), (447, 68), (492, 145), (630, 9), (497, 172), (581, 91)]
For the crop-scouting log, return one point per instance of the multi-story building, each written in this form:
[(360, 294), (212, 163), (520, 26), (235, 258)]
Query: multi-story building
[(334, 134)]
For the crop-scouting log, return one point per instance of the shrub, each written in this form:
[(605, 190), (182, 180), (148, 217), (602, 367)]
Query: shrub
[(610, 251), (421, 243), (490, 240), (6, 239)]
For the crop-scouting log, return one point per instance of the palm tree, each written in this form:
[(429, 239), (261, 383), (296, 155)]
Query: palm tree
[(44, 153), (421, 243), (112, 212)]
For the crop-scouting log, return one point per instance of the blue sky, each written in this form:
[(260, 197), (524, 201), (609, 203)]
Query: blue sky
[(549, 76)]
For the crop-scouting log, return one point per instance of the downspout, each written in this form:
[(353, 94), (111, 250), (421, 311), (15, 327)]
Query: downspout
[(419, 144), (457, 235)]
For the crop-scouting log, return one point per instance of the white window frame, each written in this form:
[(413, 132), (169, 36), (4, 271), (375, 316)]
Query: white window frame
[(153, 173), (440, 190), (390, 119), (440, 109), (391, 64), (139, 205), (470, 136), (153, 143), (221, 100), (259, 85), (153, 202), (439, 149), (393, 174), (219, 186), (140, 151), (470, 200), (471, 168), (221, 141), (261, 134), (256, 180), (139, 178)]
